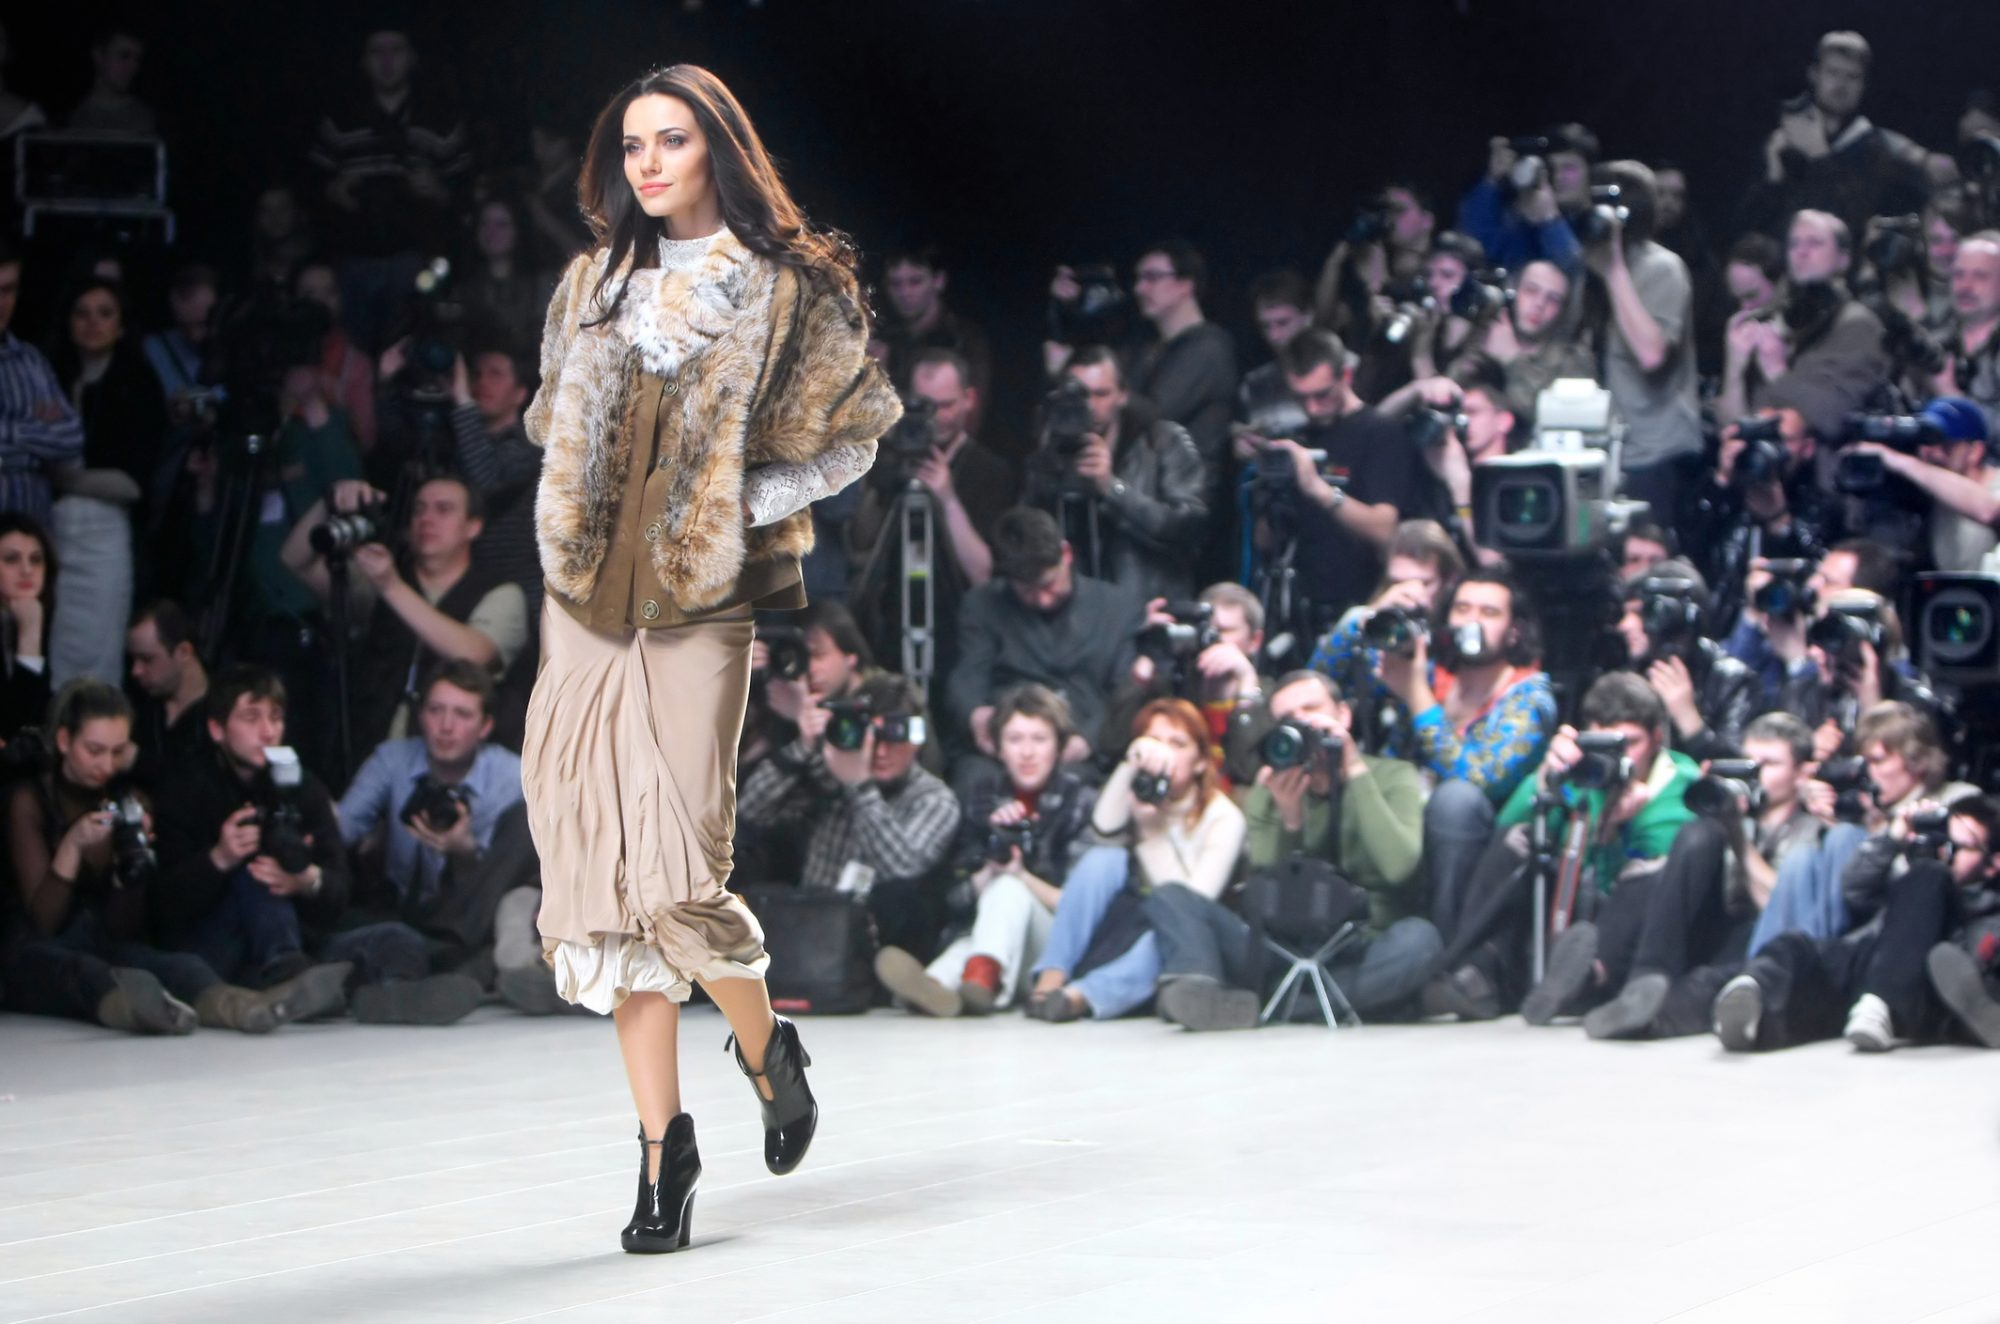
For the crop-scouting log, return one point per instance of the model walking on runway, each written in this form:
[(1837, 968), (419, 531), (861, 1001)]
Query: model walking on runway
[(704, 380)]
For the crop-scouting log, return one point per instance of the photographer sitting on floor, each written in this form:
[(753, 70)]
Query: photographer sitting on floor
[(861, 800), (435, 817), (1311, 763), (253, 868), (1020, 835), (1619, 783)]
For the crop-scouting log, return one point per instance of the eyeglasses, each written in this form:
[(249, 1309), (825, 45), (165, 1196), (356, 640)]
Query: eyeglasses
[(1144, 277)]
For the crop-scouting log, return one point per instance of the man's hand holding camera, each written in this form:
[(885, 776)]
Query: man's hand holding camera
[(850, 767), (1671, 680), (456, 841), (1007, 815), (1564, 753), (1093, 463), (1306, 475), (934, 472), (238, 844), (1147, 755)]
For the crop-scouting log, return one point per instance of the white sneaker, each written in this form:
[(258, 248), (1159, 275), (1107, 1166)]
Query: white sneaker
[(1868, 1025), (1738, 1008)]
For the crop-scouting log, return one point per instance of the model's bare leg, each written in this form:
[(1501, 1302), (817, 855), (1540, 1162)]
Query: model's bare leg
[(746, 1004), (648, 1036)]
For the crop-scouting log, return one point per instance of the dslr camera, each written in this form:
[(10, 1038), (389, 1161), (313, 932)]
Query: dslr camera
[(1429, 427), (785, 646), (437, 334), (1930, 836), (1004, 839), (1396, 630), (436, 802), (1763, 456), (280, 819), (1098, 314), (1191, 631), (1669, 611), (851, 719), (1852, 790), (1067, 424), (1604, 765), (1606, 212), (1151, 788), (906, 445), (1895, 244), (340, 534), (136, 864), (1844, 629), (1728, 783), (1789, 593), (1300, 745), (1859, 474)]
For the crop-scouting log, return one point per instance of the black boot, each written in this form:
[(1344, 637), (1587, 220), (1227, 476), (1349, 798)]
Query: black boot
[(664, 1216), (790, 1115)]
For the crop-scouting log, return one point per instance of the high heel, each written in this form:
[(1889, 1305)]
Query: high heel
[(790, 1114), (663, 1219)]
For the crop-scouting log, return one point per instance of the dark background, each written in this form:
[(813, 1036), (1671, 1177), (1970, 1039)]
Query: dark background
[(1020, 133)]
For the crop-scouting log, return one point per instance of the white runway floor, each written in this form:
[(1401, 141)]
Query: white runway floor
[(1000, 1170)]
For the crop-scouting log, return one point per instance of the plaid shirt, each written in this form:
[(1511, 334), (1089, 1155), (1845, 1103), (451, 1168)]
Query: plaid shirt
[(29, 444), (901, 831)]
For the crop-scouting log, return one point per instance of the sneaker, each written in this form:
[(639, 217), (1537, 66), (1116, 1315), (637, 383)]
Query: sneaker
[(1465, 993), (1738, 1008), (1868, 1027), (905, 976), (1056, 1006), (1961, 986), (1568, 974), (1204, 1004), (315, 992), (1630, 1014), (436, 1000), (139, 1003), (979, 986)]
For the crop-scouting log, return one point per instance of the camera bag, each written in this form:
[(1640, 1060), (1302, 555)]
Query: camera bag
[(822, 947)]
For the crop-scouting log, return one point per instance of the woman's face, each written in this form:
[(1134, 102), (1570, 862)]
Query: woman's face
[(1169, 733), (94, 322), (666, 158), (1028, 751), (193, 305), (496, 234), (23, 569)]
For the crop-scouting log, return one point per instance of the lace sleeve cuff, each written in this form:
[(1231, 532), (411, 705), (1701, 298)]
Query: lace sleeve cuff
[(774, 491)]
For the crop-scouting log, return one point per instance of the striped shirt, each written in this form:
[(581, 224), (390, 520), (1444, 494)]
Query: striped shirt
[(900, 831), (31, 444)]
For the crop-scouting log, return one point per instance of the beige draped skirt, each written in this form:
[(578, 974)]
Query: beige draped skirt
[(629, 769)]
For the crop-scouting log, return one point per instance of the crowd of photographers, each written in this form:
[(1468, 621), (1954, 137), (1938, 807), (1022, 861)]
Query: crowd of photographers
[(1568, 618)]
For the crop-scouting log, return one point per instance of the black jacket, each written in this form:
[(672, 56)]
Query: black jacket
[(188, 821), (1083, 651)]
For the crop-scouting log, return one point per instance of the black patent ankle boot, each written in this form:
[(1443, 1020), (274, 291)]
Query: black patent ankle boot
[(790, 1115), (664, 1217)]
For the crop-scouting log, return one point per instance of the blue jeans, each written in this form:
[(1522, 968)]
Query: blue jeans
[(1807, 898), (68, 973), (251, 929), (1124, 984)]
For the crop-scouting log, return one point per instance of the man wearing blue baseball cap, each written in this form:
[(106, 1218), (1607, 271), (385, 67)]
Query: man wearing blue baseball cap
[(1954, 465)]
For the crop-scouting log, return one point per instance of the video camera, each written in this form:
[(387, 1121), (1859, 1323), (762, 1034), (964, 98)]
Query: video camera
[(1604, 765), (438, 803), (1958, 627), (1763, 457), (1729, 783), (281, 819), (1556, 499)]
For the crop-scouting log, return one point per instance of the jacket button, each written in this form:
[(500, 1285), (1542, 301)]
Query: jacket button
[(650, 610), (673, 388), (653, 532)]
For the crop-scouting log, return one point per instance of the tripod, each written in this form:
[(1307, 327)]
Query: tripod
[(1076, 513), (237, 514), (915, 521), (337, 622)]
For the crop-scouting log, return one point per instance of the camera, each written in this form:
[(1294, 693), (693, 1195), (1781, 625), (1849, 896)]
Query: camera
[(905, 445), (1066, 418), (1397, 329), (438, 803), (785, 649), (850, 720), (339, 535), (1669, 610), (1956, 636), (280, 820), (1762, 459), (136, 863), (1852, 789), (1396, 630), (1728, 783), (1151, 788), (1004, 839), (1858, 474), (1370, 225), (1191, 630), (1603, 766), (1300, 745), (1097, 315), (1789, 592), (1605, 214), (1930, 836), (1429, 427), (1844, 628), (1542, 503), (436, 334), (1529, 169), (1475, 300), (1896, 244)]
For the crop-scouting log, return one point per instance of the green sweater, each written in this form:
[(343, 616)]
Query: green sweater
[(1381, 835), (1648, 836)]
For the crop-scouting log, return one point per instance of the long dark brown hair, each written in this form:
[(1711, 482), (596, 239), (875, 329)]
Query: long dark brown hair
[(756, 206)]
